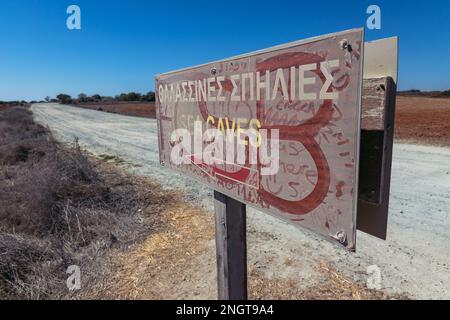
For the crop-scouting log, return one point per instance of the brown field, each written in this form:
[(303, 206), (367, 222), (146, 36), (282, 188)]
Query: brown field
[(423, 120), (418, 119), (136, 109)]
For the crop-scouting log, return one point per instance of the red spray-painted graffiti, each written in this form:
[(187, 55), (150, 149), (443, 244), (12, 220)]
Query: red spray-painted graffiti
[(318, 138)]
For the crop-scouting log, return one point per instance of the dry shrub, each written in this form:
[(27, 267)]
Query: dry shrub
[(27, 266), (59, 208), (21, 139)]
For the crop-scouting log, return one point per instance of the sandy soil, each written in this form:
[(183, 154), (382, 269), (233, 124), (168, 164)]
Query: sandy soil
[(414, 260), (423, 120)]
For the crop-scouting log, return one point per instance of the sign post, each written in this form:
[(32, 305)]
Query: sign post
[(231, 247), (281, 130)]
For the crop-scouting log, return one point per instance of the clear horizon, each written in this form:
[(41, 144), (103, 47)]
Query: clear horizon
[(122, 46)]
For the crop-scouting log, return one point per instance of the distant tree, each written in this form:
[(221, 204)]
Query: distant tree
[(150, 96), (96, 97), (47, 99), (64, 98), (131, 96), (121, 97), (107, 98), (82, 97)]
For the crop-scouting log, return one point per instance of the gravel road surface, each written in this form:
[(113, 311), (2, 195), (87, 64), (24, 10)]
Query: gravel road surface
[(415, 260)]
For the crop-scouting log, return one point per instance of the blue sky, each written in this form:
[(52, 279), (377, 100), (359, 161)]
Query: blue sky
[(123, 44)]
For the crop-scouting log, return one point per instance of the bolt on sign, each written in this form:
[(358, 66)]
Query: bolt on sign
[(277, 129)]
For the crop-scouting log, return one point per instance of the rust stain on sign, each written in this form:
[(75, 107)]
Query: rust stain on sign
[(308, 92)]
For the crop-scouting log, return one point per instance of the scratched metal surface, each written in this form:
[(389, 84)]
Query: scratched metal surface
[(316, 186)]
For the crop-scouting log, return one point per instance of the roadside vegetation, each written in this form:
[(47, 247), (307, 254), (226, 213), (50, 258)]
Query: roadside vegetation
[(123, 97), (60, 208), (7, 105)]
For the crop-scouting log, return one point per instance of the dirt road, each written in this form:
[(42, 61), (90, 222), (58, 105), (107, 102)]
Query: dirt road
[(414, 260)]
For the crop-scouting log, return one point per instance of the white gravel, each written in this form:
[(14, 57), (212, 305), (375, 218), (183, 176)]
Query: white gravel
[(414, 260)]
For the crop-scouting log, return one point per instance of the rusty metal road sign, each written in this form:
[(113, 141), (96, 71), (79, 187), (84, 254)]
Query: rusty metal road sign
[(306, 93)]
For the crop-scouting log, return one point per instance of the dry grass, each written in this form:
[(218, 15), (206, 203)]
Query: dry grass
[(177, 261), (332, 286), (59, 208), (158, 267)]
